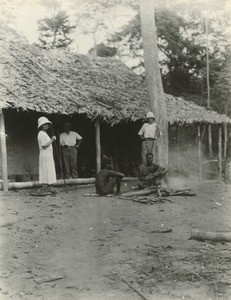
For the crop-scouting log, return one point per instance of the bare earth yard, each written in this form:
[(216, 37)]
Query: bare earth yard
[(86, 245)]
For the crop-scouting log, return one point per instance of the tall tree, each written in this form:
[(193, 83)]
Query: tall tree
[(153, 76), (55, 31), (208, 83), (90, 19), (220, 77), (178, 55), (182, 43)]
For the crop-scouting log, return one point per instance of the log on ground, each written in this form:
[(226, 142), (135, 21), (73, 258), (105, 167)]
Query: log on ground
[(36, 184), (210, 236)]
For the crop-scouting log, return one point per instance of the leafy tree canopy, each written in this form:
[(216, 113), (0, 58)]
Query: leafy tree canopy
[(182, 50), (104, 51), (55, 31)]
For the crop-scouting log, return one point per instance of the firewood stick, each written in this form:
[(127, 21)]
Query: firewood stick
[(129, 284), (195, 273), (138, 193), (219, 281)]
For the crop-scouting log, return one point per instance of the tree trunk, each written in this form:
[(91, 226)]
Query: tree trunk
[(208, 85), (207, 62), (95, 44), (54, 38), (153, 76)]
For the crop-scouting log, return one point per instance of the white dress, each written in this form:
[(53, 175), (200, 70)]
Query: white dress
[(47, 172)]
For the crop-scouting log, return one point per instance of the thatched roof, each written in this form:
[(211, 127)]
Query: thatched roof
[(62, 82)]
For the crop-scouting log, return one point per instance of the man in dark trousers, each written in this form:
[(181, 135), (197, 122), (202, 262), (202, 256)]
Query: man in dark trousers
[(151, 174), (107, 179), (149, 134), (69, 141)]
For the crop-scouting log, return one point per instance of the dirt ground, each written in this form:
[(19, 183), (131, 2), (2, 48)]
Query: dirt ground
[(88, 245)]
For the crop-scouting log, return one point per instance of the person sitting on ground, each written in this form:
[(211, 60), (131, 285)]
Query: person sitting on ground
[(151, 174), (107, 179)]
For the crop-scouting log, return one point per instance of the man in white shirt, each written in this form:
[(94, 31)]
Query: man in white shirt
[(148, 133), (69, 141)]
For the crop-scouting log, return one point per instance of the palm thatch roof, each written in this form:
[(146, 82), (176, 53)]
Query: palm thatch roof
[(65, 83)]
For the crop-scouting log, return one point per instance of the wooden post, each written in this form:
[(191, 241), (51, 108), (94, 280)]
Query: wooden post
[(115, 150), (228, 157), (225, 140), (97, 146), (210, 140), (199, 150), (177, 150), (219, 153), (3, 152)]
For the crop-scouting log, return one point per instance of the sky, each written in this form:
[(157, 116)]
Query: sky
[(30, 12)]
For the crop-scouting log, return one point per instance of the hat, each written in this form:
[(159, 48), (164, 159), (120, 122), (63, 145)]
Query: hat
[(150, 115), (42, 121)]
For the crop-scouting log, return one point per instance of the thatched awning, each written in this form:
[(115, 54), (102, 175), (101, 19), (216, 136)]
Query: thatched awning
[(65, 83)]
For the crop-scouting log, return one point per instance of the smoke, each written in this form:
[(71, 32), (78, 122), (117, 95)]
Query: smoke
[(185, 164), (180, 183)]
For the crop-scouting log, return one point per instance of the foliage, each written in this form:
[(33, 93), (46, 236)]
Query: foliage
[(55, 31), (54, 5), (106, 3), (91, 16), (178, 55), (104, 51), (182, 50), (221, 83), (8, 11), (9, 34)]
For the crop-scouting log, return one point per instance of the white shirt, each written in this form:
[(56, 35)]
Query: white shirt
[(148, 130), (69, 139), (43, 139)]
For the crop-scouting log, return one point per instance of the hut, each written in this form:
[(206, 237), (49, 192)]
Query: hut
[(98, 94)]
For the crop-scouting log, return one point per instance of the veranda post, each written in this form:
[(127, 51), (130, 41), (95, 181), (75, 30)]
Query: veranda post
[(3, 150)]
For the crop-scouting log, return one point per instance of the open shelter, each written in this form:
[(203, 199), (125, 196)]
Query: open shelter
[(98, 94)]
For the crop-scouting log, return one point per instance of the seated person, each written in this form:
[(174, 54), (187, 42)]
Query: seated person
[(106, 179), (151, 174)]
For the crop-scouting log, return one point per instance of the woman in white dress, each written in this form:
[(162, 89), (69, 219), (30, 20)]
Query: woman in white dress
[(47, 174)]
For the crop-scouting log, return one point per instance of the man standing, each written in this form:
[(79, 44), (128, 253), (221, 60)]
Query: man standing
[(107, 179), (148, 133), (69, 141), (151, 174)]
